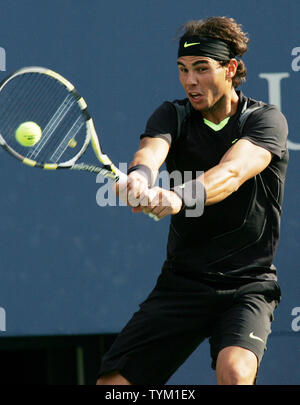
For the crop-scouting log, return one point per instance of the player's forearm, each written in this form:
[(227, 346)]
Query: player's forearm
[(234, 169), (220, 182), (146, 157), (152, 153)]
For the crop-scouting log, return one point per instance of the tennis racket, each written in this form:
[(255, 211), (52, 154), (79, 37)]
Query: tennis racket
[(44, 97), (40, 95)]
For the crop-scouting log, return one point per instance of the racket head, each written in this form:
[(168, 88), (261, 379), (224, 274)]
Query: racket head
[(40, 95)]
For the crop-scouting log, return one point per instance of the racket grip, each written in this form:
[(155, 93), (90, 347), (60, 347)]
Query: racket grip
[(122, 180)]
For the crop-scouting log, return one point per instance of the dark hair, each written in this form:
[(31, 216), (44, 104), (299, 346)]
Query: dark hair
[(228, 30)]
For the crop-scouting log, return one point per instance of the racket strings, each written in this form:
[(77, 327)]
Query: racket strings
[(6, 110), (70, 124), (57, 118), (71, 134), (19, 93), (44, 100), (52, 124)]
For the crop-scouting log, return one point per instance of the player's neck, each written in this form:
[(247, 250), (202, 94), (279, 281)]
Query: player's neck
[(225, 107)]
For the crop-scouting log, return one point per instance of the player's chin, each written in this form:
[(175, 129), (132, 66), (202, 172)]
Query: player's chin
[(198, 104)]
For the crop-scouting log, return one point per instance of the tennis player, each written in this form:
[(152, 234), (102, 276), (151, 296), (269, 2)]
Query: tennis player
[(218, 280)]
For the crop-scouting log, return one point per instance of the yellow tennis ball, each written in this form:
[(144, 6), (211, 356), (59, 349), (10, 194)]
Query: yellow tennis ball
[(28, 133), (72, 143)]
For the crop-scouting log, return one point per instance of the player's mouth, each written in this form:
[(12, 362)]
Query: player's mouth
[(195, 96)]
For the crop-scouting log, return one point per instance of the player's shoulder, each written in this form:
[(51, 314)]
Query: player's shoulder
[(182, 101), (172, 104), (264, 107), (265, 112), (169, 105), (169, 109)]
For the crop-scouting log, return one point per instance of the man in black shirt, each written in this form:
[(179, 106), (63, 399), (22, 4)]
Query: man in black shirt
[(218, 280)]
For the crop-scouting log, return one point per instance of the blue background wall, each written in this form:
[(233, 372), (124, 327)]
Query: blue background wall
[(71, 267)]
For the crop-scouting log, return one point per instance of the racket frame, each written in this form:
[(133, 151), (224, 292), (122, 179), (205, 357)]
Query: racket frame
[(108, 170)]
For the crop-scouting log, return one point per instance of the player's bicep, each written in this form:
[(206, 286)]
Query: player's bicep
[(246, 159)]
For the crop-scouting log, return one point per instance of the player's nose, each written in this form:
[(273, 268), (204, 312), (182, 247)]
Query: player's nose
[(191, 79)]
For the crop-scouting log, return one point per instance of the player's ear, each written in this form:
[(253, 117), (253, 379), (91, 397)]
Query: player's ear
[(231, 69)]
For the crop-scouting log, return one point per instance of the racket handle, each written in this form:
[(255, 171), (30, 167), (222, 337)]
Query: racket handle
[(122, 178)]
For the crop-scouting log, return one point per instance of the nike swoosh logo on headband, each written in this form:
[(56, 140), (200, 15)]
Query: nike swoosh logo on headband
[(186, 45), (252, 336)]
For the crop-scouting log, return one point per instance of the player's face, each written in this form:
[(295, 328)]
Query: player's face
[(204, 81)]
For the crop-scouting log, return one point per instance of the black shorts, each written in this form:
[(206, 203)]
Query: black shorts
[(179, 314)]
